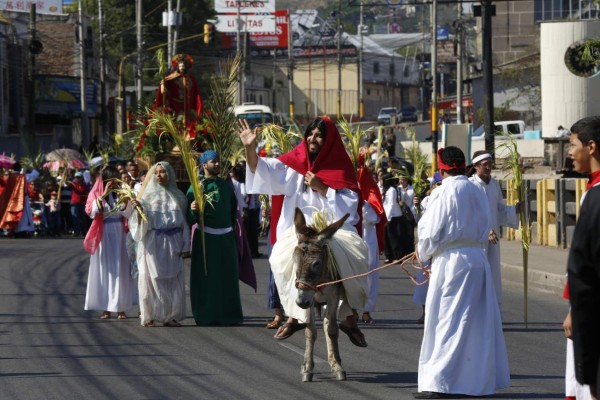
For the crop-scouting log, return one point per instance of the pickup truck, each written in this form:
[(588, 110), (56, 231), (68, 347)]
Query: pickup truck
[(515, 128)]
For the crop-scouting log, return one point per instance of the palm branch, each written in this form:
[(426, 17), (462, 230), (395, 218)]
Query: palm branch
[(514, 164), (278, 139), (353, 140), (220, 119)]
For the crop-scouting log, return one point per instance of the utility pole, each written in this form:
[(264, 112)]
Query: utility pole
[(487, 10), (361, 101), (290, 68), (85, 140), (177, 24), (28, 139), (238, 42), (434, 116), (104, 115), (140, 49), (169, 31), (339, 59), (459, 27)]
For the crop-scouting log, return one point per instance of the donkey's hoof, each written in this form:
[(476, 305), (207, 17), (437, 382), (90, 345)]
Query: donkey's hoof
[(307, 377), (340, 375)]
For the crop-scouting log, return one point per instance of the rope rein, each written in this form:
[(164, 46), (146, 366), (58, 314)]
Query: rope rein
[(411, 259)]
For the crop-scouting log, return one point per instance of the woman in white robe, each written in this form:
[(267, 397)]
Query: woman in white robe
[(463, 350), (110, 286), (162, 242)]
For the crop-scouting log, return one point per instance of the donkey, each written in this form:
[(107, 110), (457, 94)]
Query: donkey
[(311, 260)]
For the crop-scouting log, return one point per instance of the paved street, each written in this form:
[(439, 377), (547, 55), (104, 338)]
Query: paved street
[(50, 348)]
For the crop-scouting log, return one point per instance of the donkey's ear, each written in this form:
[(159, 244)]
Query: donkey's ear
[(330, 230), (299, 221)]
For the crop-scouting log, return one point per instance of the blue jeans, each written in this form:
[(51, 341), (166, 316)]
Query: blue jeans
[(77, 212)]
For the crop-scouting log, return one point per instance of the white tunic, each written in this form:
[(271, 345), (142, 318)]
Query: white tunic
[(275, 178), (463, 349), (161, 240), (500, 215), (369, 235), (110, 286)]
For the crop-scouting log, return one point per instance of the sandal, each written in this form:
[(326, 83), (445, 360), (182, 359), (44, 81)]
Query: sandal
[(149, 324), (105, 315), (355, 335), (273, 323), (172, 324), (121, 315), (366, 318), (288, 329)]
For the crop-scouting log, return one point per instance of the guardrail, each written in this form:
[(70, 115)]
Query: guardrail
[(553, 207)]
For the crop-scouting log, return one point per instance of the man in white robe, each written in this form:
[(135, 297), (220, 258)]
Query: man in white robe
[(322, 159), (463, 350), (500, 213)]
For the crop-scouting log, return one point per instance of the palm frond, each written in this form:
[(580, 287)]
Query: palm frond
[(220, 119), (124, 194), (353, 140), (277, 139), (514, 164)]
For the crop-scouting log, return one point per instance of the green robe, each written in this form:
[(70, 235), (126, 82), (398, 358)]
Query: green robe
[(215, 294)]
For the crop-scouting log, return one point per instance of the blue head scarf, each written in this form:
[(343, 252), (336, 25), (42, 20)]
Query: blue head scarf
[(208, 155)]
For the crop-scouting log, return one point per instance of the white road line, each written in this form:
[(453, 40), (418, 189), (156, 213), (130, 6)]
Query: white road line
[(300, 351)]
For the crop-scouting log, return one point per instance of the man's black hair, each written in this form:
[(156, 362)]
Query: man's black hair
[(587, 129), (318, 123), (454, 156)]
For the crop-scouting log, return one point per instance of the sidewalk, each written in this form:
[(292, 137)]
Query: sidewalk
[(546, 269)]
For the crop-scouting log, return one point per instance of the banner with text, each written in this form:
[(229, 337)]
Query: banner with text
[(41, 7), (245, 7), (277, 39)]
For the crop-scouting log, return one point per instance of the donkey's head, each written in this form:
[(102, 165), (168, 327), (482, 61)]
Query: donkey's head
[(311, 257)]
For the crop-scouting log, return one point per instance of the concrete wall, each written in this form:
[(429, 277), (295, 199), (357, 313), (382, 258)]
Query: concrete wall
[(566, 98)]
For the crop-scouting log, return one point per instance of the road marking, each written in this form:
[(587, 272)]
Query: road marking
[(300, 351)]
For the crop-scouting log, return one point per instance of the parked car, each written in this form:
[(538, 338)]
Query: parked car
[(516, 129), (408, 114), (385, 115)]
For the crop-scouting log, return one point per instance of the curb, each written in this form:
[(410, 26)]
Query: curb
[(539, 280)]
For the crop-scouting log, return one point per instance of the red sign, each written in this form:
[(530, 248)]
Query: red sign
[(279, 39)]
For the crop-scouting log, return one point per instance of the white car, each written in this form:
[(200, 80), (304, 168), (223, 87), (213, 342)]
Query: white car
[(516, 129), (385, 115)]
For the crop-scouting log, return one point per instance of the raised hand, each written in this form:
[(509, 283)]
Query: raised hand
[(247, 135)]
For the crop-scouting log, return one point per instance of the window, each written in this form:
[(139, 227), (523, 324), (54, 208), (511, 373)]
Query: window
[(376, 67), (392, 69)]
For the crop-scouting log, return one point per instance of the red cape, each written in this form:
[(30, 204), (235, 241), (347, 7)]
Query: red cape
[(332, 166), (12, 201), (371, 193)]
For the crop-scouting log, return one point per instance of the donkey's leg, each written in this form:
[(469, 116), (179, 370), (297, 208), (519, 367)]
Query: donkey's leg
[(311, 336), (332, 334)]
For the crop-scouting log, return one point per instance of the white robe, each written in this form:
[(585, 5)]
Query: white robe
[(500, 215), (161, 280), (463, 349), (369, 234), (274, 178), (110, 286)]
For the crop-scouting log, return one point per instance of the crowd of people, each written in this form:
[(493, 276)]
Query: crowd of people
[(138, 242)]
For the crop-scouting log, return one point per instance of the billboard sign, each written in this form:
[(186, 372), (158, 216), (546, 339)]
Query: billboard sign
[(41, 7), (61, 95), (246, 6), (251, 23), (272, 40)]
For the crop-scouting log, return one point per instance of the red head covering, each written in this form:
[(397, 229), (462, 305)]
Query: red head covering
[(332, 166), (446, 167), (371, 193)]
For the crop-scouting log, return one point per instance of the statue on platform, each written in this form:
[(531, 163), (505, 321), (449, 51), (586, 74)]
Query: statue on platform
[(179, 93)]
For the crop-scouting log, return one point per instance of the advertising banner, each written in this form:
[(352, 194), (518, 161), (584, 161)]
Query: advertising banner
[(61, 95), (246, 6), (41, 7), (272, 40), (252, 23)]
